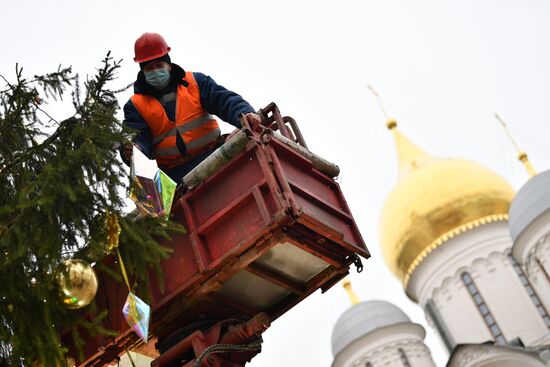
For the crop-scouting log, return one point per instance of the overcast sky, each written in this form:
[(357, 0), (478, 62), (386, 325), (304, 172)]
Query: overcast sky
[(443, 68)]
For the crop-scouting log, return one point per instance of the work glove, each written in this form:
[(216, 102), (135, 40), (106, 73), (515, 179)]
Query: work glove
[(127, 150), (253, 119)]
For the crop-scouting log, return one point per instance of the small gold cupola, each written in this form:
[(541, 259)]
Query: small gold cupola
[(351, 294)]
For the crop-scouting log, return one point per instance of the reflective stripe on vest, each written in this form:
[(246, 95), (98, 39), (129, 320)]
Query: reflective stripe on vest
[(198, 130)]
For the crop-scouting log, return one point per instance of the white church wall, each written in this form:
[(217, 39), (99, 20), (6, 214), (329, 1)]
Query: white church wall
[(481, 252), (492, 356), (437, 279), (419, 355), (458, 252), (386, 346), (507, 299), (535, 238), (459, 314), (532, 250), (538, 270)]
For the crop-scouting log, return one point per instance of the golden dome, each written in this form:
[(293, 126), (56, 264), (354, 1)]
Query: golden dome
[(434, 200)]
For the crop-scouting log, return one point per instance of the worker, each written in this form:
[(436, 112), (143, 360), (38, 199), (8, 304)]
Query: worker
[(172, 109)]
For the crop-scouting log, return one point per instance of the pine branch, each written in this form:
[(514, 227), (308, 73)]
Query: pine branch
[(14, 161), (56, 186)]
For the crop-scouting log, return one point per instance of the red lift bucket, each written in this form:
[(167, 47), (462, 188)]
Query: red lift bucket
[(264, 231)]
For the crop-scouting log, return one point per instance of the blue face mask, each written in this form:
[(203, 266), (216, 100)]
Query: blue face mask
[(158, 78)]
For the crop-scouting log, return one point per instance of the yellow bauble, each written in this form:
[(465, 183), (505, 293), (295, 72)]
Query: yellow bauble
[(77, 283)]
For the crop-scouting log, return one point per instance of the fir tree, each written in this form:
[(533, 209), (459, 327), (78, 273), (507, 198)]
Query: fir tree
[(58, 181)]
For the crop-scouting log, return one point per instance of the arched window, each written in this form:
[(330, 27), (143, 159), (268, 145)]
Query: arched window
[(530, 291), (483, 308), (437, 321), (403, 358)]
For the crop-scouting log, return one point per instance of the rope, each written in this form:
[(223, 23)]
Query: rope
[(123, 269), (129, 357)]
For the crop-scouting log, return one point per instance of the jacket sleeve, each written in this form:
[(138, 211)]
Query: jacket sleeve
[(220, 101), (143, 139)]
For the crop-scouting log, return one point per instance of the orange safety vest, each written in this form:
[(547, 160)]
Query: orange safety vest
[(198, 129)]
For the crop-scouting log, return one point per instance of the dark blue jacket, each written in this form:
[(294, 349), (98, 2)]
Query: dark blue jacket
[(215, 99)]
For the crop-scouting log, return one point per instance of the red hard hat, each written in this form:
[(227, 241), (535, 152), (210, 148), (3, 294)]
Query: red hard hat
[(150, 46)]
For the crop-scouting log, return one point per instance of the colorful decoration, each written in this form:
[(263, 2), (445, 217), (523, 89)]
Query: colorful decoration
[(137, 314), (151, 189), (112, 229), (77, 283)]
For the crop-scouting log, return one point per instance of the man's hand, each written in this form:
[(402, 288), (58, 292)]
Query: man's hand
[(127, 151), (253, 119)]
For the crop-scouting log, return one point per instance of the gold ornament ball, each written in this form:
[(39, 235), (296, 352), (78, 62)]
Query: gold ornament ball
[(77, 282)]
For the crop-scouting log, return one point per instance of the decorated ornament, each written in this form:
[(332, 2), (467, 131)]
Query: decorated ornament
[(151, 189), (77, 283), (137, 314), (112, 230)]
